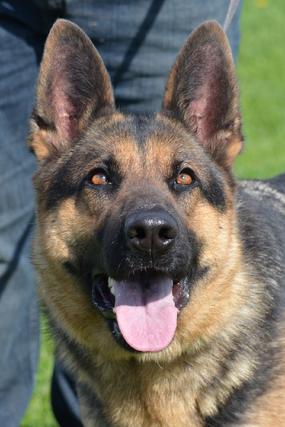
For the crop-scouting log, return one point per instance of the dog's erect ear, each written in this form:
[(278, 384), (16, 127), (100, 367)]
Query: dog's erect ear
[(202, 92), (73, 88)]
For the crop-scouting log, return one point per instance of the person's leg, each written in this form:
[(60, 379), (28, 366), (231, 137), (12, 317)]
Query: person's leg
[(64, 398), (18, 305), (23, 28)]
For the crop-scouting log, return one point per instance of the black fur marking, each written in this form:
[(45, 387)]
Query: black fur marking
[(93, 402), (61, 187), (63, 340), (231, 413), (201, 272), (142, 127), (70, 268), (214, 192)]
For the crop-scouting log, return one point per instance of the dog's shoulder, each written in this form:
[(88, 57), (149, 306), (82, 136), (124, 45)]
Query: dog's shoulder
[(260, 207), (261, 214), (278, 183), (261, 218), (270, 190)]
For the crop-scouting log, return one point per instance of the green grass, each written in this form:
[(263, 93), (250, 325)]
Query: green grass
[(39, 412), (261, 70)]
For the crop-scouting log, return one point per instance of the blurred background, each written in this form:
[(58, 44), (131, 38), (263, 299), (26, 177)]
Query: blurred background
[(261, 72)]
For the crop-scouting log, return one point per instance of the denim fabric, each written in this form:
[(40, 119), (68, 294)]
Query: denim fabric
[(138, 41), (18, 308)]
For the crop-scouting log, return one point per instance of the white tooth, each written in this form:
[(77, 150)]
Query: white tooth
[(111, 284)]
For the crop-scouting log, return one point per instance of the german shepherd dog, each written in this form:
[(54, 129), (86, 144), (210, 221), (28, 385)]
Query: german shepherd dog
[(163, 278)]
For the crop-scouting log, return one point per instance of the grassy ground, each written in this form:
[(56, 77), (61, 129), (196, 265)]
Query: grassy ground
[(39, 412), (261, 70)]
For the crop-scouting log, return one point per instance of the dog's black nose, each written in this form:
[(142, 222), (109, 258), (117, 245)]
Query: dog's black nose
[(150, 231)]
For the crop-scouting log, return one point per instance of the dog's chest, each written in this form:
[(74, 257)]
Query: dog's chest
[(147, 398)]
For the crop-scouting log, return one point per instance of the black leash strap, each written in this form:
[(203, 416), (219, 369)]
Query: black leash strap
[(138, 40)]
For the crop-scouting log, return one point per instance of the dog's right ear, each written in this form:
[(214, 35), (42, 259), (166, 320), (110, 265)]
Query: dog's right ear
[(73, 89)]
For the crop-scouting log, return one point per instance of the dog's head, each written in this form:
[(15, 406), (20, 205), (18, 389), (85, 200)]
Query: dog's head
[(136, 222)]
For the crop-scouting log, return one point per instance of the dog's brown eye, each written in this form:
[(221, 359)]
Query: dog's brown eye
[(184, 178), (99, 178)]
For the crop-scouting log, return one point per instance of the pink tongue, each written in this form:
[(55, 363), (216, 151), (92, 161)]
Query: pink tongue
[(146, 313)]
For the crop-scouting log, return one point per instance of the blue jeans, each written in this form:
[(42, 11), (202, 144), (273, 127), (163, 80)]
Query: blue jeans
[(138, 41)]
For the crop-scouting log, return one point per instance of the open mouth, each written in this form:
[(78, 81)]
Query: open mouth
[(142, 311)]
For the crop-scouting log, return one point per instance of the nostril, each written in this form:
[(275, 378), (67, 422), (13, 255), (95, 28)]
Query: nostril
[(167, 233), (136, 233)]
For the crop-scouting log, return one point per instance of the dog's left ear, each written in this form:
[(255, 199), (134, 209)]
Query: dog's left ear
[(73, 89), (202, 92)]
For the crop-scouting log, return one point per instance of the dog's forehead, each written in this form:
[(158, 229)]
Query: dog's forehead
[(142, 141)]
